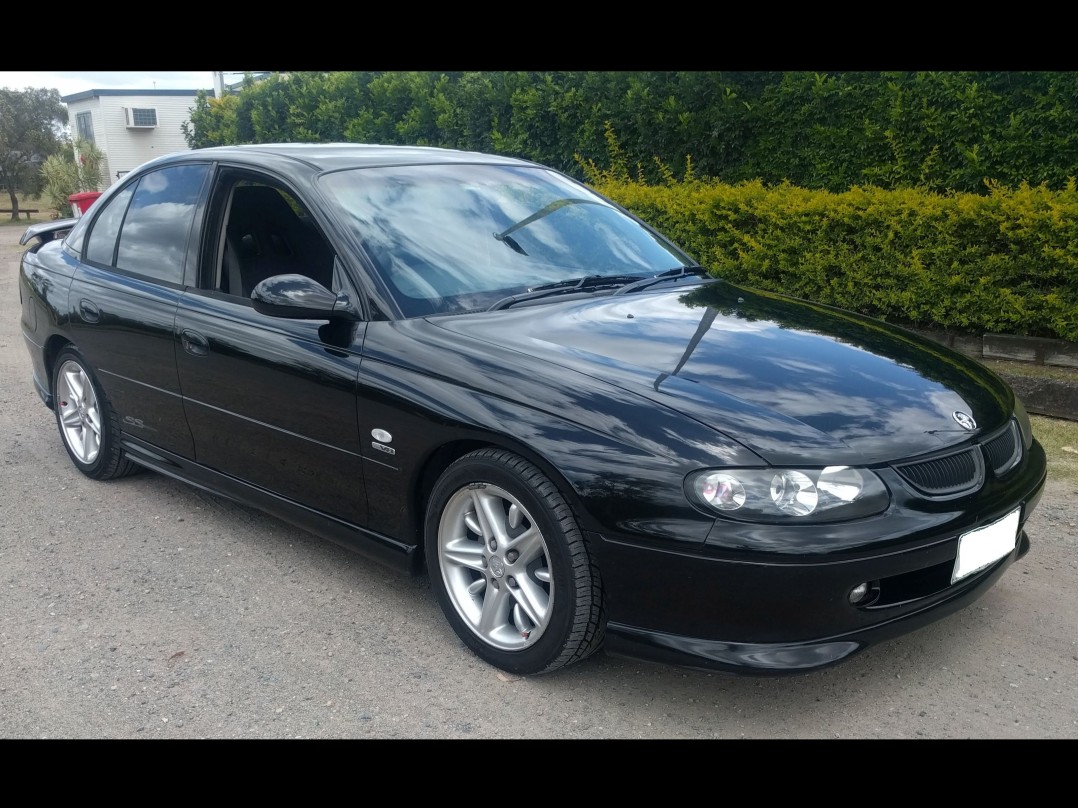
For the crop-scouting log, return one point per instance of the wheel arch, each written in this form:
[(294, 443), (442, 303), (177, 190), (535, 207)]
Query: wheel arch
[(53, 346), (527, 608), (448, 453), (83, 412)]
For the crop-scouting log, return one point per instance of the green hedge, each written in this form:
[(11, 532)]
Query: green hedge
[(937, 130), (1005, 263)]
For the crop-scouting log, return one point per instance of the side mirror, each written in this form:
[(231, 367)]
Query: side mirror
[(297, 297)]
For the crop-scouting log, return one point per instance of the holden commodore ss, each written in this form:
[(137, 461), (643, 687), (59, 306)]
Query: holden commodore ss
[(475, 368)]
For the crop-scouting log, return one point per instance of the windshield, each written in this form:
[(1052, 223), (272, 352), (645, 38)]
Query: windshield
[(454, 238)]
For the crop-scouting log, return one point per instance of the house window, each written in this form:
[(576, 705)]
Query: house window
[(85, 125), (141, 117)]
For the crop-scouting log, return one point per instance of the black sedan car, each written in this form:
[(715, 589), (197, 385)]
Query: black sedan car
[(476, 368)]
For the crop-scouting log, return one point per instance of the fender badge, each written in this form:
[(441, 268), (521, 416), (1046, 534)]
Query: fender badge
[(381, 447)]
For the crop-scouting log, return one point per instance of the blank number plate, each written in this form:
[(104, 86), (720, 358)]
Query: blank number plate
[(979, 548)]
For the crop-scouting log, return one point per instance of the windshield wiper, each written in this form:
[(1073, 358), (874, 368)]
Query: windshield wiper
[(670, 275), (557, 204), (587, 283)]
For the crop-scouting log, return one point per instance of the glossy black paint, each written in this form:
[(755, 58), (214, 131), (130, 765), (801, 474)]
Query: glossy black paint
[(791, 380), (126, 332), (273, 400), (300, 298), (790, 657)]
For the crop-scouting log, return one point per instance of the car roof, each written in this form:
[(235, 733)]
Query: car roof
[(323, 157)]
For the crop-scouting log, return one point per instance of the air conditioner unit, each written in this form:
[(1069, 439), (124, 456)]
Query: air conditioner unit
[(140, 117)]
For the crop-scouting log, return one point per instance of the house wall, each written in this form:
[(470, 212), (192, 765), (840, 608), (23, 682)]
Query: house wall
[(124, 148), (130, 148), (100, 135)]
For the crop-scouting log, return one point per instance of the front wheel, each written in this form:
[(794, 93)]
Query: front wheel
[(85, 420), (510, 567)]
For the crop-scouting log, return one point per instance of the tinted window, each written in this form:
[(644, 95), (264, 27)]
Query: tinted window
[(101, 246), (153, 240)]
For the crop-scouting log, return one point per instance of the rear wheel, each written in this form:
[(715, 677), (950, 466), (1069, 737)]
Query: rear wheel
[(510, 567), (85, 419)]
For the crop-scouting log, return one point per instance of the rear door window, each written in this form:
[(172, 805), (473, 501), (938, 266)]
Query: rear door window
[(156, 229)]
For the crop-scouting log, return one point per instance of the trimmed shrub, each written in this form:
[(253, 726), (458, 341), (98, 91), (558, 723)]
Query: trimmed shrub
[(1006, 262)]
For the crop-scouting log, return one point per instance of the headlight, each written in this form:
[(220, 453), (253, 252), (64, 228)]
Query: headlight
[(833, 494)]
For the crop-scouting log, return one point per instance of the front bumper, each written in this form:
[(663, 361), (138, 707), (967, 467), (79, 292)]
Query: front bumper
[(770, 614)]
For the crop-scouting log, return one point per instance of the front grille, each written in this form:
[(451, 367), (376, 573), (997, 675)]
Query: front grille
[(1005, 450), (963, 470), (946, 474)]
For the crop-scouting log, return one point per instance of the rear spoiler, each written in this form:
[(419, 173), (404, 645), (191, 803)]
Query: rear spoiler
[(47, 231)]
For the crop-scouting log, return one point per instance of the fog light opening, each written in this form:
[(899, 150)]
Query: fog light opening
[(859, 593)]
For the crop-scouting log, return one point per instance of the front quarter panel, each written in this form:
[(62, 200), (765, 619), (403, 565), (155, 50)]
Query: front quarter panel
[(620, 459)]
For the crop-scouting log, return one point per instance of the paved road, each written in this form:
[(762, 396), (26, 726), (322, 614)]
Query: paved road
[(144, 608)]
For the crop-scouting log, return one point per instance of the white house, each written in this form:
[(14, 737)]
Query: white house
[(130, 126)]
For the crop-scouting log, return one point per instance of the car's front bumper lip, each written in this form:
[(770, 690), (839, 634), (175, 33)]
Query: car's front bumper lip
[(774, 659)]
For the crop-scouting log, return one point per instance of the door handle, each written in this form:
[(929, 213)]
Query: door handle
[(194, 343), (89, 311)]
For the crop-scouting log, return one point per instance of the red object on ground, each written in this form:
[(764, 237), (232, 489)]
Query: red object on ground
[(80, 202)]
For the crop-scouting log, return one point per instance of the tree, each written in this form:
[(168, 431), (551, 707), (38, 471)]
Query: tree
[(213, 121), (28, 134), (76, 167)]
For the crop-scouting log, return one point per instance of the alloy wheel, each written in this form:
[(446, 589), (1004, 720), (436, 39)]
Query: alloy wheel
[(495, 564), (80, 415)]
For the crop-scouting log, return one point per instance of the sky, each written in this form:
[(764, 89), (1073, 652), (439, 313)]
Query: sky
[(68, 82)]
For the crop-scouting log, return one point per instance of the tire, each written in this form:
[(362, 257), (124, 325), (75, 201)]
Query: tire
[(87, 424), (510, 567)]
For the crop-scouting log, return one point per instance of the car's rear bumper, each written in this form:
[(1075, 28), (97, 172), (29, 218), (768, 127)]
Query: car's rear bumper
[(767, 616)]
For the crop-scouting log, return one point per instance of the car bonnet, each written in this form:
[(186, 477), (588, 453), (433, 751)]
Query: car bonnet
[(794, 381)]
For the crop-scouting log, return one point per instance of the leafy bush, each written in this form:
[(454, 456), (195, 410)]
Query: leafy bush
[(942, 130), (1006, 262), (77, 167)]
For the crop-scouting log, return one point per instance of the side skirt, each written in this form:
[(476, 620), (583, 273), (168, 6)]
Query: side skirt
[(395, 554)]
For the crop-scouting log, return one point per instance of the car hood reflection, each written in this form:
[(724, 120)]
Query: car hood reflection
[(792, 380)]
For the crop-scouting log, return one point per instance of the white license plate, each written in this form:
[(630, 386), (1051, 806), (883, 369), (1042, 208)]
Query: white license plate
[(986, 545)]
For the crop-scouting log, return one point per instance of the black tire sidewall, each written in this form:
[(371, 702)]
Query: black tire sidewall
[(539, 656)]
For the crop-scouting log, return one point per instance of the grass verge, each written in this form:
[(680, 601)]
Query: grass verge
[(1003, 367), (32, 202), (1059, 438)]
